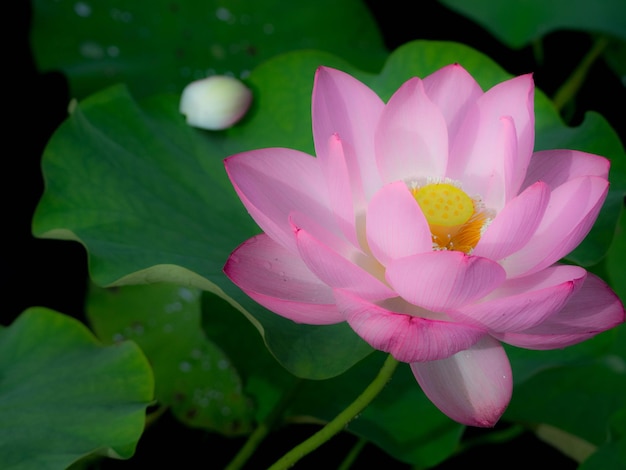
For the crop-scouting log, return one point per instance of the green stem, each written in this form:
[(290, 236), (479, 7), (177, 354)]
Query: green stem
[(537, 46), (262, 430), (341, 420), (352, 455), (571, 86), (155, 415), (257, 436)]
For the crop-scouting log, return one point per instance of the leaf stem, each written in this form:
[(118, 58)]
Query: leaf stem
[(152, 417), (262, 430), (352, 455), (341, 420), (537, 46), (248, 449), (575, 81)]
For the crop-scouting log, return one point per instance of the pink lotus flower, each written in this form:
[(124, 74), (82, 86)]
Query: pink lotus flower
[(431, 227)]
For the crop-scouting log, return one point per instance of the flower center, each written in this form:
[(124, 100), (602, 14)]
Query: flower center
[(444, 204), (456, 220)]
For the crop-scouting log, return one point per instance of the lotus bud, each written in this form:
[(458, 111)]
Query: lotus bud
[(215, 103)]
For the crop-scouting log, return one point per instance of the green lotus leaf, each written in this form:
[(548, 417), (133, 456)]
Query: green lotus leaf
[(193, 376), (64, 396), (162, 45), (518, 22)]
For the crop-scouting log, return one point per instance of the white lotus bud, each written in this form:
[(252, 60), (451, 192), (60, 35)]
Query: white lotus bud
[(215, 103)]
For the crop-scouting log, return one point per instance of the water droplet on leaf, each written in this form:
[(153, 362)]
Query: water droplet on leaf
[(82, 9)]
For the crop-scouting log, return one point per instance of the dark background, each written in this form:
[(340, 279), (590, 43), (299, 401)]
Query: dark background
[(53, 273)]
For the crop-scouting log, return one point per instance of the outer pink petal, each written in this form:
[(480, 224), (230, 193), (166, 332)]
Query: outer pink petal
[(472, 387), (594, 308), (570, 214), (341, 190), (278, 279), (334, 242), (443, 280), (341, 267), (513, 98), (408, 338), (274, 182), (514, 226), (452, 89), (519, 304), (489, 153), (395, 225), (344, 106), (498, 186), (411, 138), (556, 167)]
